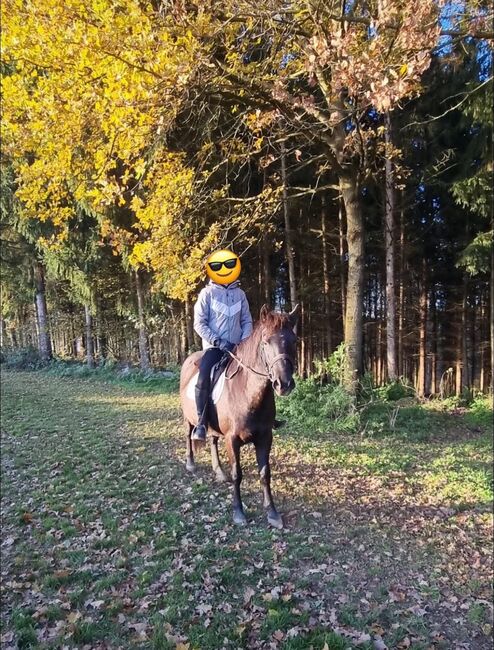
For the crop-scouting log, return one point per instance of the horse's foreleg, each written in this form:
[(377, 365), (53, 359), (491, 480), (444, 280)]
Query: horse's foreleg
[(215, 461), (233, 450), (263, 448), (190, 465)]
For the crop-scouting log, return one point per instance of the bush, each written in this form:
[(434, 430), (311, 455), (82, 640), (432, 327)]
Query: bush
[(394, 391), (161, 380), (480, 412), (21, 358), (320, 408)]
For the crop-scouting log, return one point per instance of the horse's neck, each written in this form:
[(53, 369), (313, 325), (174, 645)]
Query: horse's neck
[(249, 352), (256, 385)]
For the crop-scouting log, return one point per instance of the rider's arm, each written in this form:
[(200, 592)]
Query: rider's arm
[(201, 318), (245, 318)]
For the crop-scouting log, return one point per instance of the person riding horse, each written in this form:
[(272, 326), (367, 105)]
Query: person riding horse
[(222, 319)]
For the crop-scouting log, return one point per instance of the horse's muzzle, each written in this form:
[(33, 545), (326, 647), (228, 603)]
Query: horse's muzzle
[(282, 388)]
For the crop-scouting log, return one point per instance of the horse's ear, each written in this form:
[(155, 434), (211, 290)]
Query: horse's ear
[(264, 313), (293, 315)]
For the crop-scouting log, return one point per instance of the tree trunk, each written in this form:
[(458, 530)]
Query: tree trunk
[(389, 231), (290, 254), (434, 338), (143, 337), (422, 369), (45, 349), (266, 270), (464, 336), (3, 332), (325, 274), (101, 339), (492, 323), (355, 283), (189, 320), (342, 263), (89, 336), (401, 317)]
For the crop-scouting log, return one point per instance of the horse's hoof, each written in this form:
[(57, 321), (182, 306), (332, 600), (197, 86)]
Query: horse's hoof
[(276, 521), (239, 518), (190, 467)]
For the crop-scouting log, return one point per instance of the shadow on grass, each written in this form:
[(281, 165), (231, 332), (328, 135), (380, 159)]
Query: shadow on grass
[(359, 515)]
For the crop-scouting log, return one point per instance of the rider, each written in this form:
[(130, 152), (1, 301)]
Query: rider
[(222, 319)]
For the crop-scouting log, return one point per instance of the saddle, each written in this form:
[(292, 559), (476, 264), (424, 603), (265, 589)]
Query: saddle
[(220, 367), (217, 370)]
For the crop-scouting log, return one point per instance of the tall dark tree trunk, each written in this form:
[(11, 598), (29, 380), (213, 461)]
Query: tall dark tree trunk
[(401, 298), (422, 367), (44, 341), (465, 375), (492, 321), (143, 336), (189, 320), (290, 252), (349, 188), (266, 274), (389, 232), (89, 336), (325, 275), (341, 236), (101, 339)]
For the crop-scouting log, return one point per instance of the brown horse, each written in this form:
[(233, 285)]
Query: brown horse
[(262, 364)]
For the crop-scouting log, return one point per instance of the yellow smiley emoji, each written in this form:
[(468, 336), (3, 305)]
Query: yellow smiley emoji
[(223, 267)]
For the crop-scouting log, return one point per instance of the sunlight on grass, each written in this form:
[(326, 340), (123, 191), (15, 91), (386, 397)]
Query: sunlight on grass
[(122, 544)]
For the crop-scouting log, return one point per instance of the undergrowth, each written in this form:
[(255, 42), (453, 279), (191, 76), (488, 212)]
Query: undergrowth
[(319, 403), (161, 380)]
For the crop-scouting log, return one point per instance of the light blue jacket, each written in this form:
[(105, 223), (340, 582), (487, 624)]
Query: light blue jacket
[(222, 312)]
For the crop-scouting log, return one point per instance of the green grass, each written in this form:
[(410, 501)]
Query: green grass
[(112, 540)]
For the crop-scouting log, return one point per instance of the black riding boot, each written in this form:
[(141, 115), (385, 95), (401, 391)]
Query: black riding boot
[(202, 397)]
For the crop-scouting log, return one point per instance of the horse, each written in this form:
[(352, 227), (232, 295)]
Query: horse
[(261, 365)]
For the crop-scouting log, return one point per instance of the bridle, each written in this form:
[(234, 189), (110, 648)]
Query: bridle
[(268, 365)]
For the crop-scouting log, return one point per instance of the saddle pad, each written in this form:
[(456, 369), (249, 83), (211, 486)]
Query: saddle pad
[(217, 388)]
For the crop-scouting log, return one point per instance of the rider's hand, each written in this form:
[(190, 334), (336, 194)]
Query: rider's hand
[(224, 345)]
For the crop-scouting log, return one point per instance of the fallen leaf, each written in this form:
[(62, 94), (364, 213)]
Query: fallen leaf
[(74, 617), (248, 593)]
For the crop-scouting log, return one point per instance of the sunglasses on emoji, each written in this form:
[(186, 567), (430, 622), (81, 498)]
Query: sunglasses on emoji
[(216, 266)]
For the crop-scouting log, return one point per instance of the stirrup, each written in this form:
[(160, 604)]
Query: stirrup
[(199, 433)]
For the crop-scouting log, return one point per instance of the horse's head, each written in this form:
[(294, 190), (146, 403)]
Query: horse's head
[(279, 347)]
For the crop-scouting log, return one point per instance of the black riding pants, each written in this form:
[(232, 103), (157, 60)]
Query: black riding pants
[(210, 357)]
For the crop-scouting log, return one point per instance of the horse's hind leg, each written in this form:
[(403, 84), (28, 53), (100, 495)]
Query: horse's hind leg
[(215, 461), (190, 465), (263, 448)]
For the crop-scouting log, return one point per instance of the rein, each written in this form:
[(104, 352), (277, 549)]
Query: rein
[(269, 366)]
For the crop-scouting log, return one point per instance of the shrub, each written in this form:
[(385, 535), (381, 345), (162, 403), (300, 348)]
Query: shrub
[(480, 412), (160, 380), (21, 358), (333, 367), (394, 391), (320, 408)]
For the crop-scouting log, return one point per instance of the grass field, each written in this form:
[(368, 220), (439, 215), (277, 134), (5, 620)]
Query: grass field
[(108, 543)]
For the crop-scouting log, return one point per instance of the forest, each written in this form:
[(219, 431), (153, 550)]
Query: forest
[(342, 149)]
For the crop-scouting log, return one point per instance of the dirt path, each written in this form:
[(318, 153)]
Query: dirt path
[(108, 543)]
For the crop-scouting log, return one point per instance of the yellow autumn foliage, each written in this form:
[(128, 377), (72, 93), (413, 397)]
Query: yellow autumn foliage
[(89, 92)]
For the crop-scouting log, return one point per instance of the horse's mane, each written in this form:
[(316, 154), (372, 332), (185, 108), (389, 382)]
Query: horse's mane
[(271, 323)]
